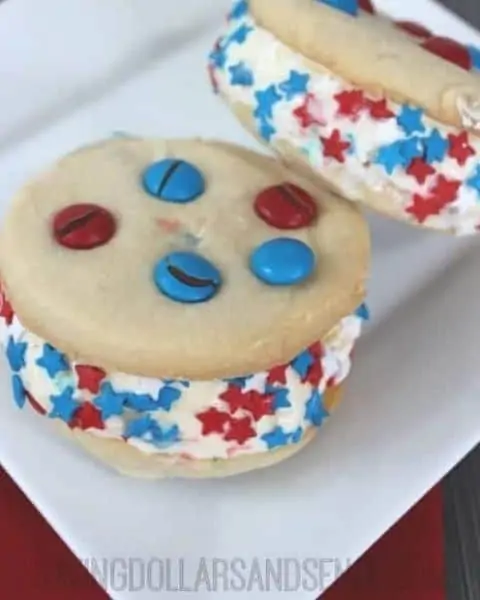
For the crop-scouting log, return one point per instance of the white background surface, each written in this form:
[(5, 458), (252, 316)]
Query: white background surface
[(412, 409)]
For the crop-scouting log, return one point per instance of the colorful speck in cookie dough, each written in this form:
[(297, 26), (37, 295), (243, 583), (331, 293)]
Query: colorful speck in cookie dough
[(386, 113), (181, 308)]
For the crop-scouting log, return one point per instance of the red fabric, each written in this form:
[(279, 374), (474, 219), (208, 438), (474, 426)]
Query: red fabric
[(407, 564), (36, 565)]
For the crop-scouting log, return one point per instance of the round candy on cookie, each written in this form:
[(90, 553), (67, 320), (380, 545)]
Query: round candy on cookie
[(385, 113), (181, 308)]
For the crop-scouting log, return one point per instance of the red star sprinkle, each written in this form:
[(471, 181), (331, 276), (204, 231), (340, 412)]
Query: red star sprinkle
[(379, 110), (90, 378), (234, 397), (309, 113), (213, 78), (6, 310), (420, 169), (87, 416), (460, 149), (34, 404), (213, 421), (240, 430), (316, 349), (443, 193), (315, 374), (351, 103), (332, 382), (367, 6), (258, 405), (277, 375), (335, 147), (449, 50)]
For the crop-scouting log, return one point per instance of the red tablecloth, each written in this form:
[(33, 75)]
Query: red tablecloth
[(407, 564)]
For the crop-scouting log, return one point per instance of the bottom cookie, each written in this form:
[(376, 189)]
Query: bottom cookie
[(129, 461)]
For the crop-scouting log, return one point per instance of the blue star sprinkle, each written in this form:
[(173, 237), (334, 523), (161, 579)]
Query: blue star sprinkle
[(348, 6), (52, 361), (110, 402), (295, 85), (280, 398), (16, 354), (266, 100), (240, 35), (239, 10), (165, 437), (266, 130), (240, 382), (363, 312), (241, 75), (410, 119), (183, 382), (139, 427), (474, 182), (303, 363), (475, 56), (391, 157), (218, 56), (411, 148), (167, 397), (276, 438), (149, 430), (140, 402), (18, 391), (297, 435), (436, 147), (315, 411), (64, 405)]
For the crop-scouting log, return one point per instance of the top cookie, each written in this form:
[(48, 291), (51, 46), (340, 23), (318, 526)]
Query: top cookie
[(404, 61), (181, 259)]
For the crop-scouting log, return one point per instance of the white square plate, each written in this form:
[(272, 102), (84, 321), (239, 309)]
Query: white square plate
[(411, 414)]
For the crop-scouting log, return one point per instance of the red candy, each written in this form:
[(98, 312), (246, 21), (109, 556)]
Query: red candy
[(449, 50), (83, 226), (286, 206), (414, 29)]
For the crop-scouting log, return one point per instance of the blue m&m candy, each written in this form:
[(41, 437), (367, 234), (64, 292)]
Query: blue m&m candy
[(187, 277), (283, 262), (349, 6), (174, 180)]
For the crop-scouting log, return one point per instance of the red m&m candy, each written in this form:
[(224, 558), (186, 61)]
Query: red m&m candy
[(286, 206), (449, 50), (83, 226)]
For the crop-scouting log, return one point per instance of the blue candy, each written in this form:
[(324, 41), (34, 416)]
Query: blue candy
[(283, 261), (187, 277), (174, 181), (475, 56), (349, 6)]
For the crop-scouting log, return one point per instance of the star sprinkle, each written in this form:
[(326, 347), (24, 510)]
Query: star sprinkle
[(213, 421), (266, 130), (390, 157), (315, 374), (233, 397), (6, 310), (137, 428), (363, 312), (239, 10), (302, 363), (348, 6), (258, 405), (240, 431), (266, 100), (410, 119), (240, 382), (110, 402), (241, 75), (309, 112), (240, 35), (297, 436), (436, 147), (167, 397), (140, 402), (315, 412), (87, 416), (16, 354), (350, 103), (316, 349), (163, 438), (18, 391), (38, 408), (379, 110), (52, 361), (335, 147), (276, 438), (474, 181), (277, 375), (443, 193), (213, 77), (280, 398), (421, 170), (295, 85), (411, 149), (218, 56), (460, 148), (64, 405), (89, 378)]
